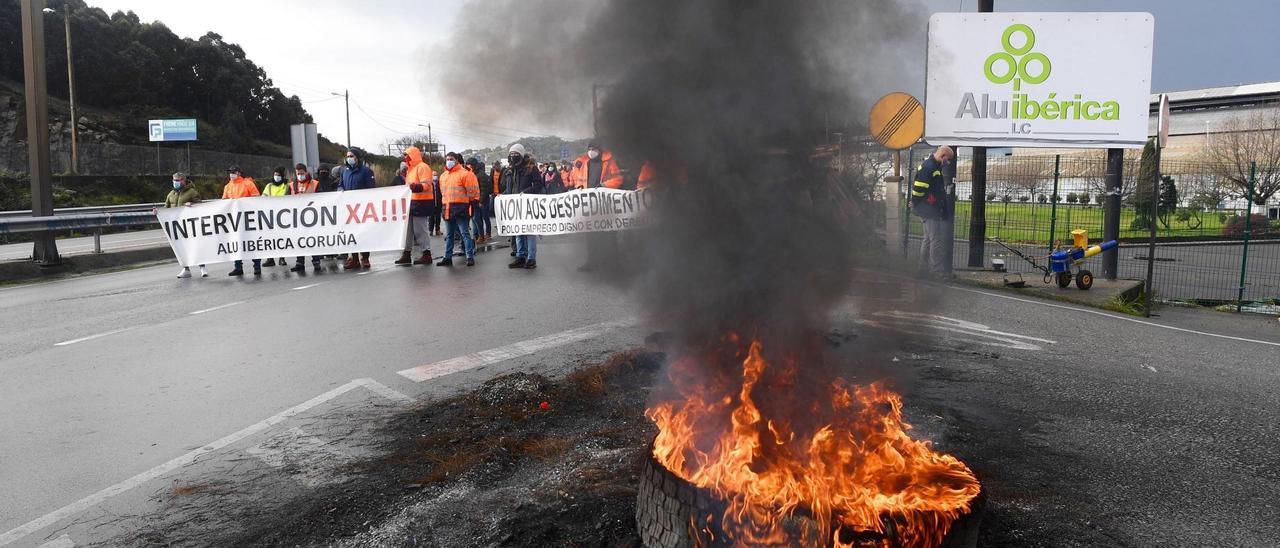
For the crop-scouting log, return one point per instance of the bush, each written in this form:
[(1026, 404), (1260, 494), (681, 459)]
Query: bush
[(1055, 198), (1006, 198), (1024, 198), (1042, 198), (1072, 198), (991, 196), (1100, 199), (1234, 227), (1084, 198)]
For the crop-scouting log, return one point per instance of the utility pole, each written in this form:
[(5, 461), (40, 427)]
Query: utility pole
[(346, 97), (1111, 212), (978, 189), (45, 251)]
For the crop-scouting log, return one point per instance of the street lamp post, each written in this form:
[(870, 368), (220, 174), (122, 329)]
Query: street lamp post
[(346, 96), (45, 250), (71, 87)]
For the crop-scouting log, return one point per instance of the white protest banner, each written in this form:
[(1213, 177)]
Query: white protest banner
[(1079, 80), (263, 227), (582, 210)]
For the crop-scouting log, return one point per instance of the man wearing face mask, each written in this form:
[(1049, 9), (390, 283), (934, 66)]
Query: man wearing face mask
[(522, 177), (238, 186), (419, 176), (183, 194), (460, 194), (279, 186), (356, 176), (597, 169), (304, 183)]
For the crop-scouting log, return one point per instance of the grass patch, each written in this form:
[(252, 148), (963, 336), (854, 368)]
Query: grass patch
[(1029, 222)]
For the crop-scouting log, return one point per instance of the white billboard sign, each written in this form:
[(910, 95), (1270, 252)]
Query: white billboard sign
[(1077, 80)]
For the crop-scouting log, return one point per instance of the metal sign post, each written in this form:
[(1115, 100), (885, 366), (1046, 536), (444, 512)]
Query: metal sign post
[(1162, 138), (897, 122)]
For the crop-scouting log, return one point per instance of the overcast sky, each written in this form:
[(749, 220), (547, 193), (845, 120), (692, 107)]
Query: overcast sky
[(376, 48)]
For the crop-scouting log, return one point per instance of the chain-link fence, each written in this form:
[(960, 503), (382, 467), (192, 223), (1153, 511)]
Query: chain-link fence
[(1033, 202), (112, 159)]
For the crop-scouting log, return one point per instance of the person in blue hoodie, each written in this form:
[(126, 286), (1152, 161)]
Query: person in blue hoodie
[(357, 176)]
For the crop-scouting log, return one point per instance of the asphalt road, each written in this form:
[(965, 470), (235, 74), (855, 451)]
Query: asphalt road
[(1087, 428), (79, 246)]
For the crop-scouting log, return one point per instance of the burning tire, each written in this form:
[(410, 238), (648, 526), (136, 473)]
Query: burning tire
[(671, 513)]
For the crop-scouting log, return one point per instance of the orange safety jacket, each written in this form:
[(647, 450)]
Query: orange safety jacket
[(497, 176), (304, 187), (610, 175), (650, 175), (244, 187), (420, 173), (459, 188)]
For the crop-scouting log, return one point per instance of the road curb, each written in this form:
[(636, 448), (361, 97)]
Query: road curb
[(24, 271), (1098, 297)]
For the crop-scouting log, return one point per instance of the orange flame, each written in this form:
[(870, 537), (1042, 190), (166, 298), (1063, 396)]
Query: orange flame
[(860, 474)]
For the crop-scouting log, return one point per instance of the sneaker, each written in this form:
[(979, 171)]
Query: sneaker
[(518, 263), (351, 264), (445, 262), (299, 269), (236, 272), (257, 272), (204, 273), (531, 265), (404, 259), (269, 262), (424, 259), (184, 273), (471, 262), (283, 262), (364, 263)]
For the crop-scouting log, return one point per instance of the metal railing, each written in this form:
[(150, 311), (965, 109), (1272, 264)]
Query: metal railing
[(80, 218)]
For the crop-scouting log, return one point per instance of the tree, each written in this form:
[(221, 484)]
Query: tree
[(1253, 137), (1140, 200), (1168, 199)]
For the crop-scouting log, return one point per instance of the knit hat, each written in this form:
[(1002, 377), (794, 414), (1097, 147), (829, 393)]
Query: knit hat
[(516, 148)]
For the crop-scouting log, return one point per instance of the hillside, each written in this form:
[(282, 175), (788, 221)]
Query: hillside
[(128, 71)]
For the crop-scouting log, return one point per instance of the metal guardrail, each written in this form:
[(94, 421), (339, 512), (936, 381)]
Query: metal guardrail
[(80, 218), (126, 208)]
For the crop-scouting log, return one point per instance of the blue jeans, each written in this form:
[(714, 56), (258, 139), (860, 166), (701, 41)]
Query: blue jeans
[(454, 226), (480, 221), (257, 264), (527, 248)]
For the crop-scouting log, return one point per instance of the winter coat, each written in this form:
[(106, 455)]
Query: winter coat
[(244, 187), (186, 195), (357, 178)]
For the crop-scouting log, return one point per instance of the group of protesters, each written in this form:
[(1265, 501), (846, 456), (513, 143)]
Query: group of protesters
[(460, 199)]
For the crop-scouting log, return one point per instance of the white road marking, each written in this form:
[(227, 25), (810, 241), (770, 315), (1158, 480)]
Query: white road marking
[(1116, 317), (912, 321), (63, 541), (1152, 369), (85, 503), (91, 337), (510, 351), (308, 286), (312, 461), (384, 391), (219, 307)]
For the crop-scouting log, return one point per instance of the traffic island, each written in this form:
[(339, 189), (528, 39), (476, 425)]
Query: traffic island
[(1103, 293)]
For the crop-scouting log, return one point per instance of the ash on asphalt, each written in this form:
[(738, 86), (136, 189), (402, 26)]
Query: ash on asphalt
[(491, 467)]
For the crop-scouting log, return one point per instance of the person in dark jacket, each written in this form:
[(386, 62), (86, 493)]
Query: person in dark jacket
[(480, 223), (929, 201), (357, 176), (551, 179), (434, 226), (522, 177), (324, 182)]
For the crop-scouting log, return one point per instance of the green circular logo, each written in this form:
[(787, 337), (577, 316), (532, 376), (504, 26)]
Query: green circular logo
[(1016, 62)]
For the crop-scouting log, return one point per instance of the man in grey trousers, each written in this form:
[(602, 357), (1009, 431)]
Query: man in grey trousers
[(929, 201)]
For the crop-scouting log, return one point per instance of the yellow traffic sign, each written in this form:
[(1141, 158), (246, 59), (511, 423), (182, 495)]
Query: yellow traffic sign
[(897, 121)]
